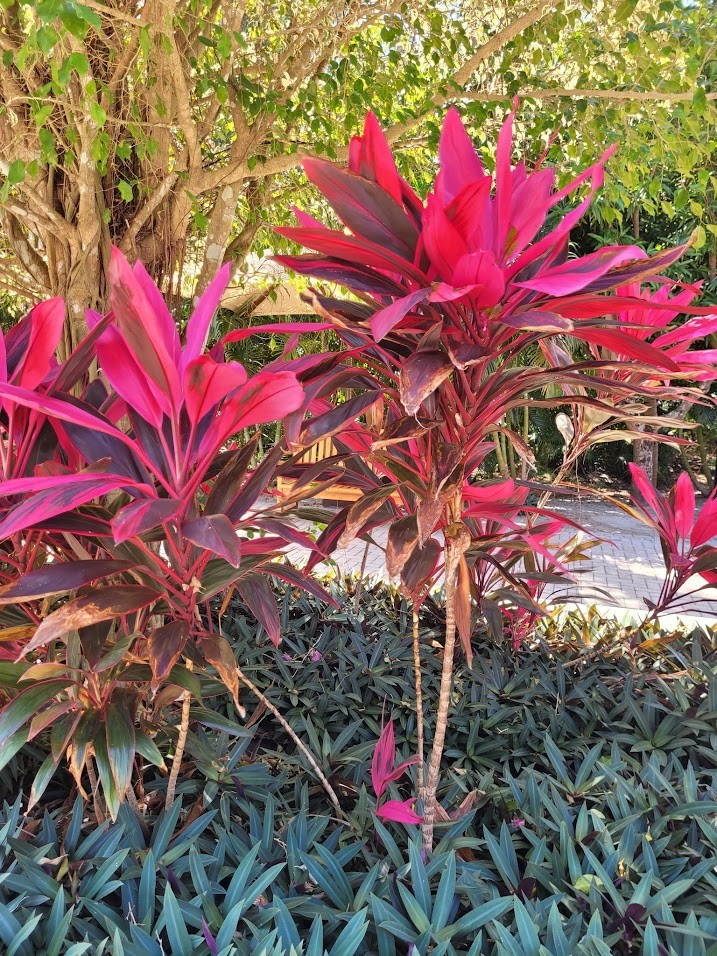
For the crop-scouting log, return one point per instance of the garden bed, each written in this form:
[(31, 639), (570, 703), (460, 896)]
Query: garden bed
[(580, 793)]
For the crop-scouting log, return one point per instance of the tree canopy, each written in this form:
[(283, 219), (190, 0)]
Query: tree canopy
[(175, 129)]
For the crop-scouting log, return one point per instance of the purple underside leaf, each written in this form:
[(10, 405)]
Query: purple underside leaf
[(215, 533), (536, 320), (417, 573), (166, 643), (644, 268), (353, 249), (68, 492), (102, 605), (383, 321), (58, 578), (337, 418), (421, 374), (346, 273), (139, 517), (363, 206), (258, 596), (57, 408), (300, 579)]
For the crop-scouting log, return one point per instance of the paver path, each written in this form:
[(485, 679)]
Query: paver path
[(619, 573)]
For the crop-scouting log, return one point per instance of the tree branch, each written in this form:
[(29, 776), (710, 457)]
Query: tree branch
[(143, 214), (280, 164), (288, 161), (637, 96)]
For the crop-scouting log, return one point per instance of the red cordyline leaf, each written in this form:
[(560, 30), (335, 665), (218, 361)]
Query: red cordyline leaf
[(286, 328), (198, 325), (139, 517), (573, 275), (370, 156), (353, 248), (266, 397), (623, 344), (141, 354), (125, 374), (58, 578), (400, 811), (145, 329), (207, 383), (706, 525), (364, 206), (693, 329), (684, 504), (261, 601), (215, 533), (45, 324), (460, 164), (54, 495), (384, 757), (663, 519), (64, 411)]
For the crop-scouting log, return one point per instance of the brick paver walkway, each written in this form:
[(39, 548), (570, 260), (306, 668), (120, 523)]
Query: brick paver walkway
[(619, 573)]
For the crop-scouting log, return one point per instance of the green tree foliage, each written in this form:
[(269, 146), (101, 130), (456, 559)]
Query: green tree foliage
[(174, 128)]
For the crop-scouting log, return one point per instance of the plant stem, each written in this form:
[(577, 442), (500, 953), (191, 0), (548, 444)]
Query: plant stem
[(502, 467), (419, 700), (511, 458), (359, 583), (454, 548), (287, 727), (95, 790), (706, 471), (179, 751), (134, 804)]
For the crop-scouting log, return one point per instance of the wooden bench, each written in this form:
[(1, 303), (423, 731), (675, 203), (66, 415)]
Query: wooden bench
[(325, 448), (322, 450)]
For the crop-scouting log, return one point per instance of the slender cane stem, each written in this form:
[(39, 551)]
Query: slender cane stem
[(502, 466), (95, 791), (134, 804), (179, 751), (453, 549), (419, 700), (287, 727)]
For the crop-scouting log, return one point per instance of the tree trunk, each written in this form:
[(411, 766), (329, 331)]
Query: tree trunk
[(456, 543), (645, 453), (417, 678), (86, 290), (218, 234)]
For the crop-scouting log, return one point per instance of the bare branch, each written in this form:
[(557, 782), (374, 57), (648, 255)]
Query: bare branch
[(635, 96), (113, 13), (155, 200), (280, 164)]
